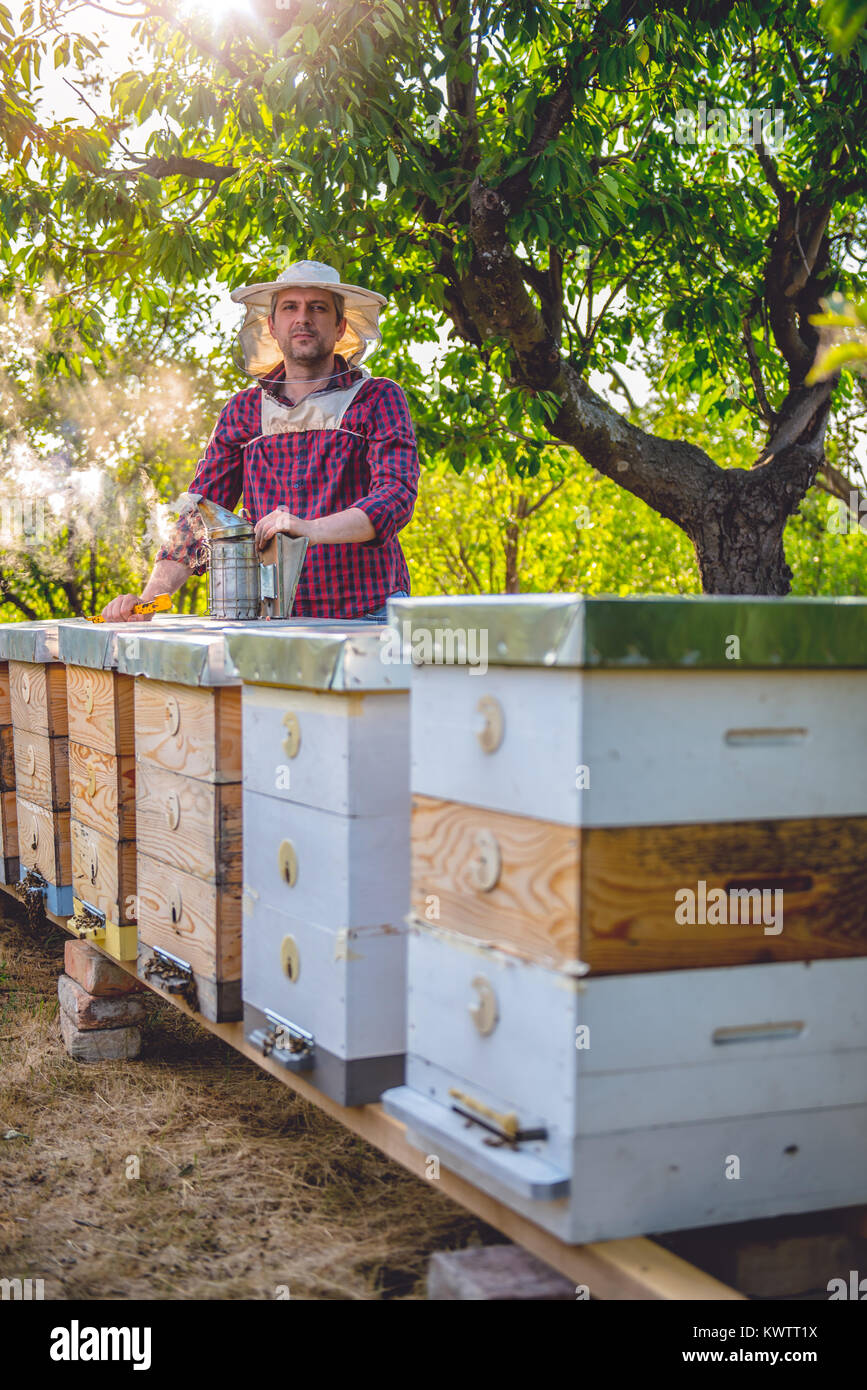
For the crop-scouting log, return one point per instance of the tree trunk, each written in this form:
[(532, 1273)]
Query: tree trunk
[(738, 535), (740, 560), (734, 517), (512, 540)]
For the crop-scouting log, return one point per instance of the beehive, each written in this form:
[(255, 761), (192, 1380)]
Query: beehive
[(613, 754), (582, 1043), (102, 783), (187, 712), (326, 853), (610, 1106), (37, 697), (8, 813)]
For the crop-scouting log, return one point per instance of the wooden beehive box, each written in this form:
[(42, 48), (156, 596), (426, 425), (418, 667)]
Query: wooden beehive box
[(8, 812), (326, 852), (611, 760), (608, 1106), (102, 782), (37, 698), (187, 711)]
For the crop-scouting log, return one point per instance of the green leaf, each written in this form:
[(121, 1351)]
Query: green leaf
[(393, 165), (829, 362)]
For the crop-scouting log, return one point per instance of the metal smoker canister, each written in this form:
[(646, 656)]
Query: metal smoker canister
[(233, 574), (242, 583)]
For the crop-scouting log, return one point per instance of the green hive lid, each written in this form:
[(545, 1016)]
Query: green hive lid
[(633, 633)]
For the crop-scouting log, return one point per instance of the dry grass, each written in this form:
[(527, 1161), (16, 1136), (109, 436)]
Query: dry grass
[(244, 1186)]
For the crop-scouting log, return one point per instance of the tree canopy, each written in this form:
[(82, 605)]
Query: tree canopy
[(560, 188)]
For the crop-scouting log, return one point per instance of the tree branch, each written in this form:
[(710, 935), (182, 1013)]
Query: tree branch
[(765, 410), (663, 473), (794, 418), (461, 96), (185, 165), (836, 484), (553, 113), (784, 197), (7, 596), (540, 501)]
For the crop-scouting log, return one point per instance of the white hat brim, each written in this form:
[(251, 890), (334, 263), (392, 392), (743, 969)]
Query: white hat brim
[(264, 291), (261, 353)]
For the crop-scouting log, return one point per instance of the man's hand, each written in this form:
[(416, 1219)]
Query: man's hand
[(349, 527), (120, 610), (167, 578), (282, 520)]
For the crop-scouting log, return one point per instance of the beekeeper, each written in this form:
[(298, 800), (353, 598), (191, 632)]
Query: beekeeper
[(318, 448)]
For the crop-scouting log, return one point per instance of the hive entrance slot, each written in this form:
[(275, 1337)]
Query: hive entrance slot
[(792, 883), (173, 975), (87, 922), (31, 890), (285, 1042), (765, 738)]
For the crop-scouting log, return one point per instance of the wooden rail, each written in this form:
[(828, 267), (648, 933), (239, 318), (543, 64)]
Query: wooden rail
[(637, 1268)]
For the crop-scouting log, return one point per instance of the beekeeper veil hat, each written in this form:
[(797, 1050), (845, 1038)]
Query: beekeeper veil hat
[(362, 336)]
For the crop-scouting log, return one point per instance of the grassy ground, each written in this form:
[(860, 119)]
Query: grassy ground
[(243, 1186)]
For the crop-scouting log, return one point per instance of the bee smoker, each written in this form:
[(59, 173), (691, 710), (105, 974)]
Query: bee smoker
[(244, 583)]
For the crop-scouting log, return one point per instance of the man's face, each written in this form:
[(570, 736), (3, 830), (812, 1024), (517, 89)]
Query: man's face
[(305, 325)]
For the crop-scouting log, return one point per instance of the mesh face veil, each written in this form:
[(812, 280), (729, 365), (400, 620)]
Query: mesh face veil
[(362, 308)]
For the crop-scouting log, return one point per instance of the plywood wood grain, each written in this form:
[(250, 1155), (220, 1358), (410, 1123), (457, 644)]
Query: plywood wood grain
[(42, 769), (631, 878), (8, 826), (101, 709), (103, 872), (38, 696), (534, 904), (189, 729), (5, 701), (190, 824), (43, 841), (609, 897), (102, 790), (7, 758), (207, 932)]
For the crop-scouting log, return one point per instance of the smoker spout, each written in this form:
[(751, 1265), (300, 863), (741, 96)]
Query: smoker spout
[(217, 520)]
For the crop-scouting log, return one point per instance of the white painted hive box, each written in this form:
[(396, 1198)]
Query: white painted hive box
[(605, 1107), (326, 853)]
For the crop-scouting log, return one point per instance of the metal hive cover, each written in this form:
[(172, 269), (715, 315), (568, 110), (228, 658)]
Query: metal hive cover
[(662, 631), (36, 641), (323, 655), (186, 656), (97, 644)]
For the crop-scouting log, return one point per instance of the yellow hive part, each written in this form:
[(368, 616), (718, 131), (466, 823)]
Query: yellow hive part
[(121, 942)]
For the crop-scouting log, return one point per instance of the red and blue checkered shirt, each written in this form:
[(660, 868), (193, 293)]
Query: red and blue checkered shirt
[(316, 473)]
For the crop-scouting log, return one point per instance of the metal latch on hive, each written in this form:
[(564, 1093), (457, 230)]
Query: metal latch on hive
[(286, 1042)]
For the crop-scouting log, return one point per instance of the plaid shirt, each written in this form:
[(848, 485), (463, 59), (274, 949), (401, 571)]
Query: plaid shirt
[(316, 473)]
